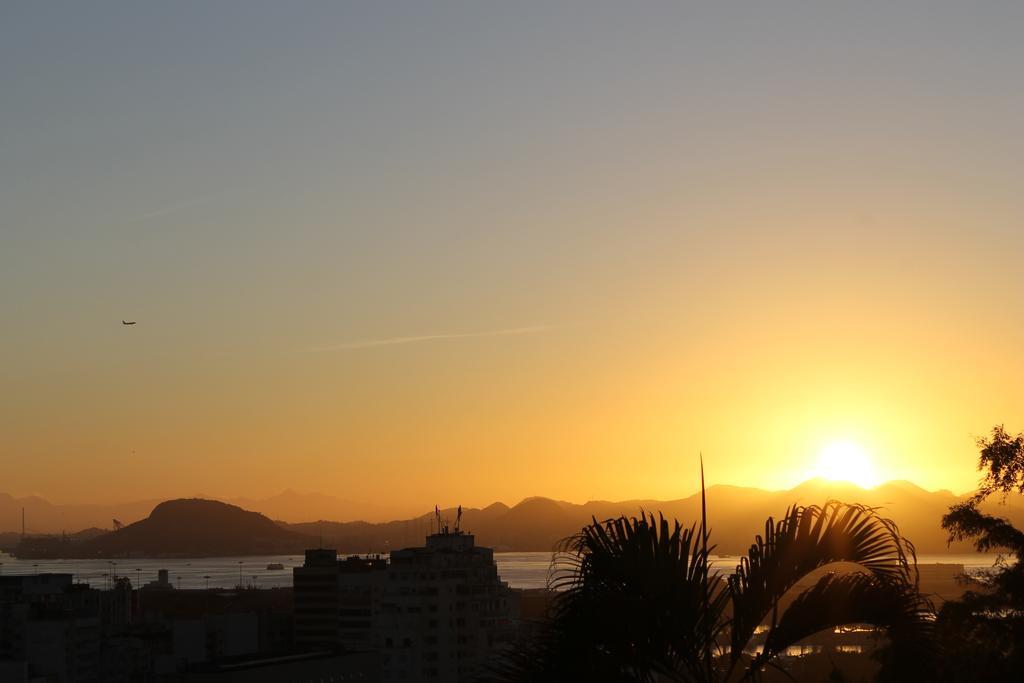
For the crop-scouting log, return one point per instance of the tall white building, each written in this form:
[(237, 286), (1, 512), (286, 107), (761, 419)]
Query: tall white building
[(444, 611), (435, 613)]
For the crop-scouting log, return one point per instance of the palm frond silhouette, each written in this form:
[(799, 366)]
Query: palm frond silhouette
[(637, 600)]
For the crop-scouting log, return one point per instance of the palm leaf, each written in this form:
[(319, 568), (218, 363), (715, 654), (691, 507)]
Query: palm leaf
[(636, 591), (636, 601), (804, 540), (857, 598)]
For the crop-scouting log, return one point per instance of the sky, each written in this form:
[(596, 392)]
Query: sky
[(478, 251)]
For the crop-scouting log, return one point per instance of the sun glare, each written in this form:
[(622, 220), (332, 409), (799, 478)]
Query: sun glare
[(846, 461)]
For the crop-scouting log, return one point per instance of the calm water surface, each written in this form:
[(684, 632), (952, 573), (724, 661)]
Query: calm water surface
[(521, 570)]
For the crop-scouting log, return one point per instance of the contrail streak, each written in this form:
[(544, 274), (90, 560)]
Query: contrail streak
[(177, 206), (394, 341)]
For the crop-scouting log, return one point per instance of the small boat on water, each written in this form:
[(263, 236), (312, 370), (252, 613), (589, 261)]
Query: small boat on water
[(275, 566)]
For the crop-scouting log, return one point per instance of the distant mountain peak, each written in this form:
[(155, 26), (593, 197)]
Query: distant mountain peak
[(198, 527)]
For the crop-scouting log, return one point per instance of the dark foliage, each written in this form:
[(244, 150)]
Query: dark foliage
[(637, 601), (1002, 460), (982, 635), (965, 521)]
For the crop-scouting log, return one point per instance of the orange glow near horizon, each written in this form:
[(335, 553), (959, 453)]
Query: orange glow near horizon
[(466, 258)]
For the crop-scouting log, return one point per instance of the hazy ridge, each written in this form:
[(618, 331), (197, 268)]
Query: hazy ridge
[(45, 517), (736, 514)]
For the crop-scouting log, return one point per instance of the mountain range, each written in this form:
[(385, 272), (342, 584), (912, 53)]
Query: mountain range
[(735, 514), (202, 527)]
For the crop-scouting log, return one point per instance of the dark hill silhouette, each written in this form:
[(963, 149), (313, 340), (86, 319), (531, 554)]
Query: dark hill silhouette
[(197, 528)]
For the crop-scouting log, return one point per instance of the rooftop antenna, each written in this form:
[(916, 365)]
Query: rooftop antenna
[(437, 515), (23, 524), (458, 519)]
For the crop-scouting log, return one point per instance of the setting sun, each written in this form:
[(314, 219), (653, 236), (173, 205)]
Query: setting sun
[(846, 461)]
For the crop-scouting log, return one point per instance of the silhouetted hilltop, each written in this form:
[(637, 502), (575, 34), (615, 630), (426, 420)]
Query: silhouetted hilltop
[(197, 528)]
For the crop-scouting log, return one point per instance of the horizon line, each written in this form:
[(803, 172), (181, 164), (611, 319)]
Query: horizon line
[(256, 498)]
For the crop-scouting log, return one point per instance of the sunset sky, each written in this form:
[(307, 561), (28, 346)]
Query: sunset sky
[(481, 251)]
